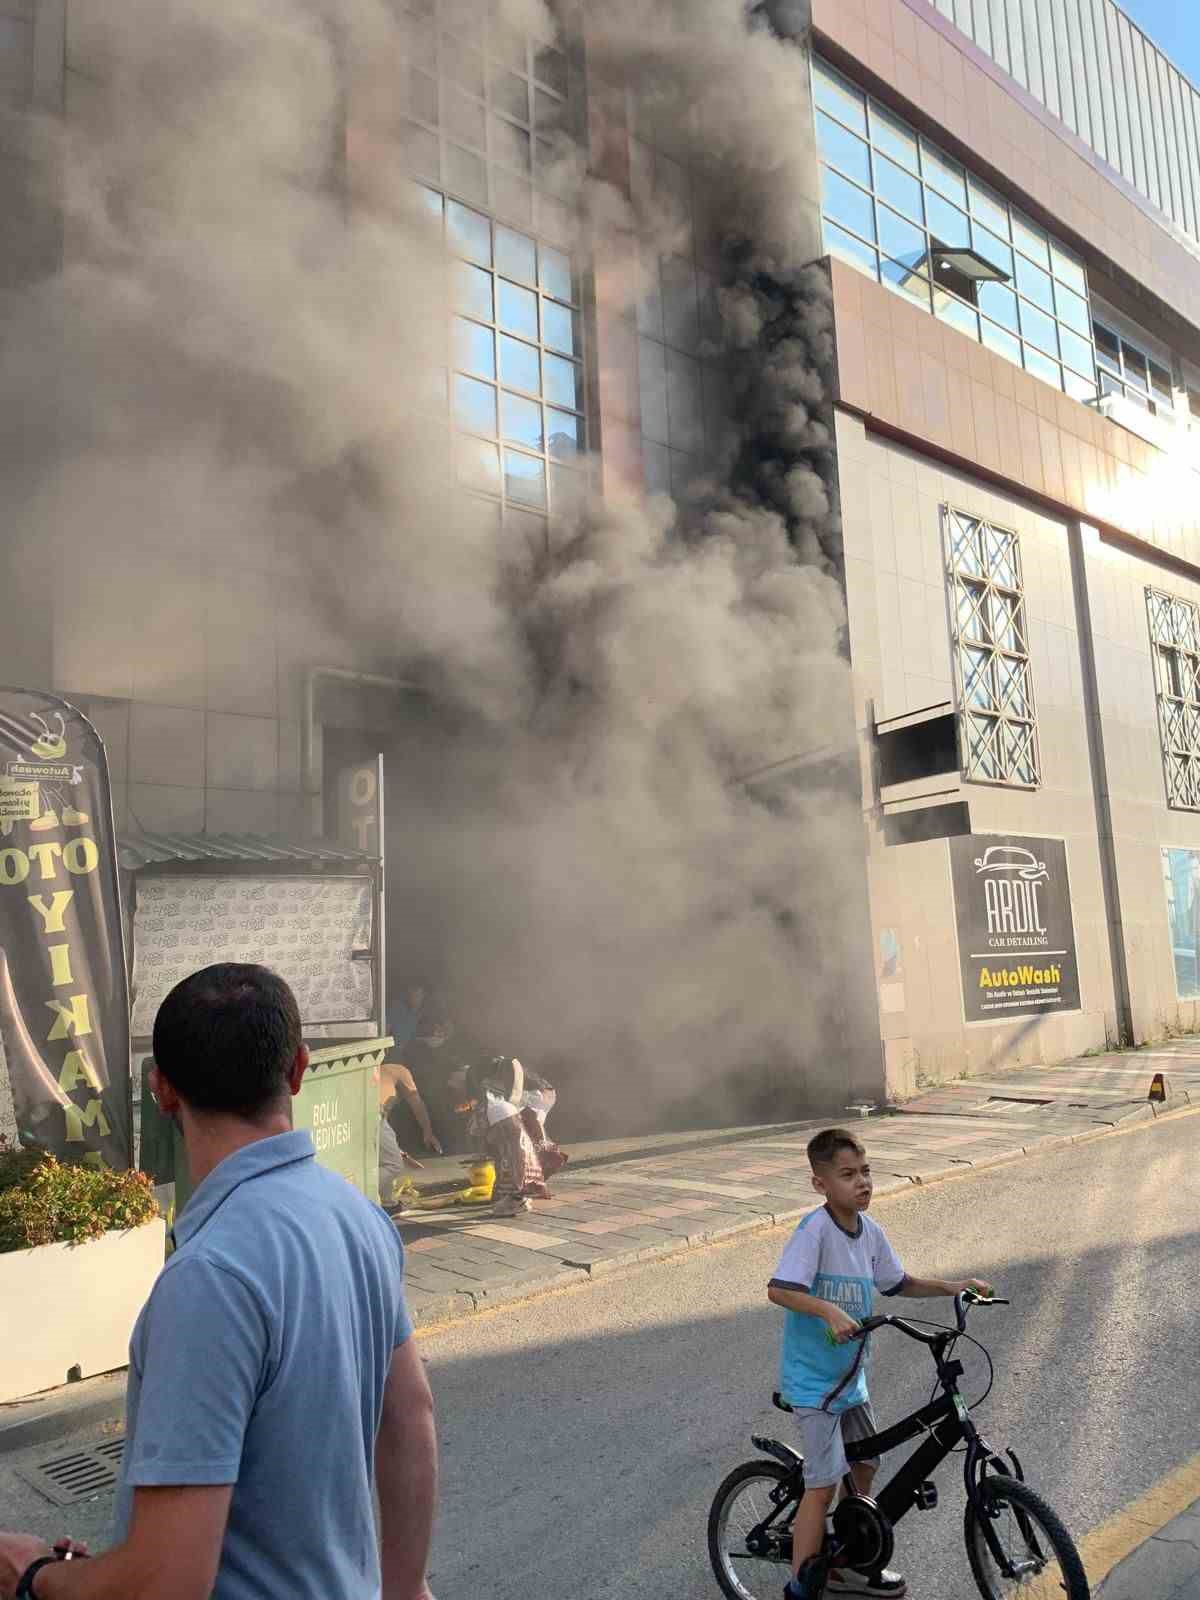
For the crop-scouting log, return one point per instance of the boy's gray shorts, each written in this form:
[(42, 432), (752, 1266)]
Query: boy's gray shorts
[(825, 1435)]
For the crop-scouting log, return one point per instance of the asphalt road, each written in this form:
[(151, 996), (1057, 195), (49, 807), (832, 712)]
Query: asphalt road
[(583, 1435)]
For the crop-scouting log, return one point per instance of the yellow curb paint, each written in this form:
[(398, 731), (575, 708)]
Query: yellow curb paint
[(1127, 1530)]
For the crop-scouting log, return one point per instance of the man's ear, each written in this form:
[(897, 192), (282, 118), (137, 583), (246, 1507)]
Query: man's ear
[(164, 1094), (297, 1070), (819, 1184)]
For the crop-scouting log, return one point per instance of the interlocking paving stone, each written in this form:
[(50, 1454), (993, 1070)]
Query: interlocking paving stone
[(521, 1236)]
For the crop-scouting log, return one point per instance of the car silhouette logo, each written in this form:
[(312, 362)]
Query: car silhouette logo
[(1011, 858)]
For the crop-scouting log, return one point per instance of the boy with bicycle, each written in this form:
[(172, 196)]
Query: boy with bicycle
[(831, 1265)]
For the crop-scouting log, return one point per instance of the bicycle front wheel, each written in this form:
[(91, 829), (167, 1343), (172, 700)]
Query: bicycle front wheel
[(1041, 1553), (742, 1504)]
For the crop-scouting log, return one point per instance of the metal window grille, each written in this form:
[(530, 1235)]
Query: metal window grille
[(1175, 643), (997, 719)]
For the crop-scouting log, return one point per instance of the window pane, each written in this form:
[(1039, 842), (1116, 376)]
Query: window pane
[(525, 478), (470, 234), (989, 207), (1076, 352), (1135, 365), (521, 420), (519, 364), (997, 301), (895, 186), (511, 145), (891, 136), (559, 328), (564, 435), (1039, 329), (473, 290), (516, 255), (1067, 268), (430, 199), (1042, 367), (1034, 284), (992, 249), (510, 94), (556, 274), (551, 67), (942, 174), (1072, 310), (479, 464), (900, 240), (518, 309), (1004, 344), (474, 348), (947, 224), (903, 280), (464, 66), (568, 489), (959, 315), (834, 94), (1108, 346), (463, 116), (564, 382), (847, 204), (1078, 387), (847, 248), (843, 150), (1161, 386), (1031, 240), (474, 405)]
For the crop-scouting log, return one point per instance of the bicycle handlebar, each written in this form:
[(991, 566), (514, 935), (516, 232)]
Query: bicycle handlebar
[(962, 1304)]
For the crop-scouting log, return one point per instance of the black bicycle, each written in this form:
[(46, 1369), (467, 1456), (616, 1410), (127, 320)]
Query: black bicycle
[(1015, 1542)]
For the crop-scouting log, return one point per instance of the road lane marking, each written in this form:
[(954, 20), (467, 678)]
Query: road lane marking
[(1128, 1529)]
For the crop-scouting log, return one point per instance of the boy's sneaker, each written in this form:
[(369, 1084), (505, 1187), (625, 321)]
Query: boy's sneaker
[(887, 1585)]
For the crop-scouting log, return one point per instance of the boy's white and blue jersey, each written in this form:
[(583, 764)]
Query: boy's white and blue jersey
[(822, 1259)]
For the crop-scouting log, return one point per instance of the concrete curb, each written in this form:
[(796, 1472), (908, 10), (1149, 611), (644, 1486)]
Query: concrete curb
[(436, 1316), (61, 1416)]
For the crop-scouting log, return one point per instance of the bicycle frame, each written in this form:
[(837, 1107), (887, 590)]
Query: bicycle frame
[(947, 1424)]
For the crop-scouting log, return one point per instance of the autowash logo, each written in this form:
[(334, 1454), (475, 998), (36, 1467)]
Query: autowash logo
[(1014, 884)]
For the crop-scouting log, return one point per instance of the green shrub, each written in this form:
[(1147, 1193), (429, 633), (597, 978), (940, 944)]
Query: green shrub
[(46, 1201)]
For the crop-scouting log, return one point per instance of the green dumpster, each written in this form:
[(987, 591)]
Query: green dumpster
[(338, 1103)]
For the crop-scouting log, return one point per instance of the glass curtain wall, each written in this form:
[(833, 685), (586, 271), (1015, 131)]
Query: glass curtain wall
[(904, 212)]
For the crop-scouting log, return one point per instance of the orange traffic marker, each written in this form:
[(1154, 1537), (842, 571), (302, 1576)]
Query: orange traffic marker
[(1158, 1089)]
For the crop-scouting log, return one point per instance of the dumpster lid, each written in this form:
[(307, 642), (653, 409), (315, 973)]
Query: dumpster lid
[(246, 849)]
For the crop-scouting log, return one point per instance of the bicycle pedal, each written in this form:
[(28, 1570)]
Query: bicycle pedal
[(925, 1497)]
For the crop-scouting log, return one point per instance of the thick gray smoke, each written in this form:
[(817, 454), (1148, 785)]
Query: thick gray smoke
[(224, 398)]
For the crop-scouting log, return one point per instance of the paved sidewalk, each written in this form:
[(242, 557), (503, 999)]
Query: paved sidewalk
[(462, 1259), (1166, 1567)]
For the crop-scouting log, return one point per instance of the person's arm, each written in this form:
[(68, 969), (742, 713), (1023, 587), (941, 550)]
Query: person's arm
[(936, 1288), (173, 1548), (406, 1474), (406, 1088), (840, 1323)]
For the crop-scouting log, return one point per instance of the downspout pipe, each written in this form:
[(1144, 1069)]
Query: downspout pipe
[(359, 680)]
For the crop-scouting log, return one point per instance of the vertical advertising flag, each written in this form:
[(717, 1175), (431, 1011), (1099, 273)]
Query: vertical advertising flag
[(64, 1003)]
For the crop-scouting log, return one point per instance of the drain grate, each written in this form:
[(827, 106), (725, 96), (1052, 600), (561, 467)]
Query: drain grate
[(66, 1480)]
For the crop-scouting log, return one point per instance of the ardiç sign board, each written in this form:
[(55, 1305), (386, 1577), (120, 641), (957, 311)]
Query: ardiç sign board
[(1016, 935), (64, 1006)]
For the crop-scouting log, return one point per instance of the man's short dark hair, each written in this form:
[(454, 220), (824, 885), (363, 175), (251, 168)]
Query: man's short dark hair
[(823, 1147), (226, 1037)]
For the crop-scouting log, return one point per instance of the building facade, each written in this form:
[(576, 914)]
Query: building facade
[(1008, 198)]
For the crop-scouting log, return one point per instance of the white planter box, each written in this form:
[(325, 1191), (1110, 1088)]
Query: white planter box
[(73, 1305)]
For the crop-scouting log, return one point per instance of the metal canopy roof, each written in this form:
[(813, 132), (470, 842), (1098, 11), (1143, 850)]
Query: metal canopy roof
[(166, 849)]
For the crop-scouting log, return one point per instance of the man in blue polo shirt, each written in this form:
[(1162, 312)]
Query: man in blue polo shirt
[(273, 1382)]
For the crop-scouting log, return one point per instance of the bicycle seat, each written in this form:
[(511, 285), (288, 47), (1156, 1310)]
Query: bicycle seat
[(780, 1403)]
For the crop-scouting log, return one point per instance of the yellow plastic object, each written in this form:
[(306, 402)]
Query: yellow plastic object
[(478, 1193)]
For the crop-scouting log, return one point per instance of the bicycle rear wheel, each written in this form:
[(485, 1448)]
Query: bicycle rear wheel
[(1040, 1550), (741, 1504)]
